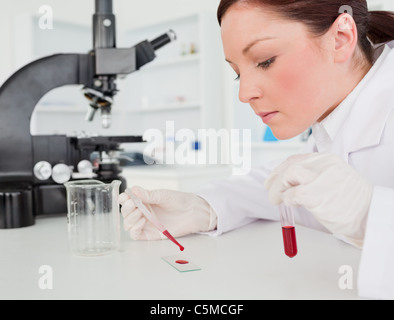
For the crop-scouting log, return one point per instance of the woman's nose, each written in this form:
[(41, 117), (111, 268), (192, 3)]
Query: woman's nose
[(248, 90)]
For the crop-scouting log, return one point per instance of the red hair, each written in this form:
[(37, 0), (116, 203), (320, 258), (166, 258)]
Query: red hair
[(319, 15)]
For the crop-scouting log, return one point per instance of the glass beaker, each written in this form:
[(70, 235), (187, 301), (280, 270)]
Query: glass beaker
[(93, 217)]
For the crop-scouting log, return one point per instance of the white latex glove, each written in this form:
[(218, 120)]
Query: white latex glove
[(334, 192), (181, 213)]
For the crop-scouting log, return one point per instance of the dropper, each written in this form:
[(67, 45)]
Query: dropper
[(152, 218)]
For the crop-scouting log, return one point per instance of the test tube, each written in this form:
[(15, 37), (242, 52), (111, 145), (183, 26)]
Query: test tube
[(288, 231)]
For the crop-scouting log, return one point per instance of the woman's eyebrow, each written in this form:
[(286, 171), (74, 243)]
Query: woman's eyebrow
[(250, 45)]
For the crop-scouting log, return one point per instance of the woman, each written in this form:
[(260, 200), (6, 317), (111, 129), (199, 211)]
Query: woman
[(305, 63)]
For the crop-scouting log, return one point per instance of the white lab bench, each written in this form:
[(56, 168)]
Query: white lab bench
[(245, 264)]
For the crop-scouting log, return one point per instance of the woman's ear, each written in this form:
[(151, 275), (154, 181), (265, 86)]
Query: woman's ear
[(344, 31)]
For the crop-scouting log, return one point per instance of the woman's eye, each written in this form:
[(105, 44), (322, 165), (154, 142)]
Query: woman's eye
[(266, 64), (263, 65)]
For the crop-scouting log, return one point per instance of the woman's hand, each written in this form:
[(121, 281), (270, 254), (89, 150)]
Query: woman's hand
[(181, 213), (334, 192)]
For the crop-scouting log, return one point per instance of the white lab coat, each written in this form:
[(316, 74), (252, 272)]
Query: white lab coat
[(366, 142)]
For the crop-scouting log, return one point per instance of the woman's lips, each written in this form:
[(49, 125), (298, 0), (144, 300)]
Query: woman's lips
[(267, 116)]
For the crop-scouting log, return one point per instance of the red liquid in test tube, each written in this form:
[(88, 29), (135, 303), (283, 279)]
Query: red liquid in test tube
[(288, 231), (290, 241)]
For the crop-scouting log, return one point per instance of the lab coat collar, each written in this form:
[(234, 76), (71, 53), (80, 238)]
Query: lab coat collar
[(368, 117), (328, 129)]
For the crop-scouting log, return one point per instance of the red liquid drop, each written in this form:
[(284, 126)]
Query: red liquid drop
[(290, 241), (182, 262), (169, 236)]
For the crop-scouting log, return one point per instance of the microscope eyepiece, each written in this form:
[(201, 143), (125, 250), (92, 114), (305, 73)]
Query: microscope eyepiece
[(164, 39)]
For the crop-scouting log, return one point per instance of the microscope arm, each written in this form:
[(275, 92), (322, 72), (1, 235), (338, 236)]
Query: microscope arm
[(19, 96)]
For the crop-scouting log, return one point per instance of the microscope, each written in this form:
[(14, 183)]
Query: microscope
[(33, 169)]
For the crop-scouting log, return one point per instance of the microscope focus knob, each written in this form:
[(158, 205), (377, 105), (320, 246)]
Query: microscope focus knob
[(61, 173), (85, 167), (42, 170)]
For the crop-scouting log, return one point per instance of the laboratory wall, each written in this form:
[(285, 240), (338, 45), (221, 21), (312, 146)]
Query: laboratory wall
[(381, 4)]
